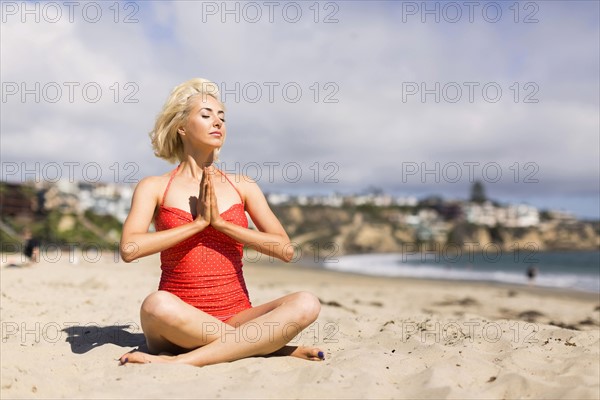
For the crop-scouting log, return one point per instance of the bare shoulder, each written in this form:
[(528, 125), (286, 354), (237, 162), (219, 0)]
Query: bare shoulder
[(143, 205), (149, 182), (152, 186)]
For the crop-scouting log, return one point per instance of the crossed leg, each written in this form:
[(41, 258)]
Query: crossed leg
[(173, 326)]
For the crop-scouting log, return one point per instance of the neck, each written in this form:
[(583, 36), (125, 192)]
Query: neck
[(193, 164)]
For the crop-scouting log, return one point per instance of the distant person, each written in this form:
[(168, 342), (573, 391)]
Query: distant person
[(532, 272), (31, 248), (30, 253)]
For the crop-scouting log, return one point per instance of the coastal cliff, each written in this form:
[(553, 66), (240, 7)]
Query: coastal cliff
[(382, 230)]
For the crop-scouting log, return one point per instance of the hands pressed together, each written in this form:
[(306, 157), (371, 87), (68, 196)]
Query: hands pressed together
[(207, 210)]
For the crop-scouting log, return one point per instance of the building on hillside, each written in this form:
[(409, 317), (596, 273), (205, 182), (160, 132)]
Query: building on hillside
[(65, 202), (512, 216)]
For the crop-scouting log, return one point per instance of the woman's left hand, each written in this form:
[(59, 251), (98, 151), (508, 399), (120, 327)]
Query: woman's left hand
[(215, 217)]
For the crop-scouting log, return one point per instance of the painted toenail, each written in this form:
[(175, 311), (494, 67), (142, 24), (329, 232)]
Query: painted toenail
[(321, 355)]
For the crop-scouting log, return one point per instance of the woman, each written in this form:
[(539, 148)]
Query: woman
[(201, 313)]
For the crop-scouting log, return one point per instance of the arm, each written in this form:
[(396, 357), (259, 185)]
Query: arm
[(136, 241), (270, 239)]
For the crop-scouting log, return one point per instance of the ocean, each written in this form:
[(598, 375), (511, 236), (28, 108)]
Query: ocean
[(577, 270)]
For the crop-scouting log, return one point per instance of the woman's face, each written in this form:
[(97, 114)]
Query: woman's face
[(205, 125)]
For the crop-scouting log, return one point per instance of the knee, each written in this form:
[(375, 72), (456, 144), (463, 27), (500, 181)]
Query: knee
[(161, 306), (308, 307)]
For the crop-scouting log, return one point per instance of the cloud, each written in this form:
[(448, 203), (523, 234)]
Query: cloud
[(365, 62)]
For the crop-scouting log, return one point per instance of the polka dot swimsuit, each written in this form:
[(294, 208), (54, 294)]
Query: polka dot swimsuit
[(204, 270)]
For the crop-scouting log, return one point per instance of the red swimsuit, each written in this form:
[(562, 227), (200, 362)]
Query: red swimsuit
[(204, 270)]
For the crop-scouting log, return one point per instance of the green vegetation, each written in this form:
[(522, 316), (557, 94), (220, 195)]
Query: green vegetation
[(8, 242), (105, 222), (48, 229)]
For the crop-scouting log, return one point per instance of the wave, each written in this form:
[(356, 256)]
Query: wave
[(402, 265)]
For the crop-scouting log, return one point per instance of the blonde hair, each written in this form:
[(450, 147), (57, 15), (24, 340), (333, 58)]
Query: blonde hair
[(166, 142)]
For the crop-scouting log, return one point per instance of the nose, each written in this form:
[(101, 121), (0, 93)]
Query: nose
[(218, 122)]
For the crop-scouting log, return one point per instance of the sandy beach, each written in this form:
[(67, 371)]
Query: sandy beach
[(65, 325)]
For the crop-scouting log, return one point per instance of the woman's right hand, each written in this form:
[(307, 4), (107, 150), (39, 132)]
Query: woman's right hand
[(203, 204)]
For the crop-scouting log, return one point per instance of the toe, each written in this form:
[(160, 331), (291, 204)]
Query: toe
[(316, 355)]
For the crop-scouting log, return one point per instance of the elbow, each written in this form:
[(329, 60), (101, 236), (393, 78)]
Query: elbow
[(288, 253), (126, 258), (128, 252)]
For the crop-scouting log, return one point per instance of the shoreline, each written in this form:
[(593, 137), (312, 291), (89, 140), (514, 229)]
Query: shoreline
[(306, 263), (534, 289)]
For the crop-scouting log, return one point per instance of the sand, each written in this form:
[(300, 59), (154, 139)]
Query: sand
[(65, 325)]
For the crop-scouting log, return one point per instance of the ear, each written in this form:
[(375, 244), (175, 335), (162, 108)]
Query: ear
[(181, 131)]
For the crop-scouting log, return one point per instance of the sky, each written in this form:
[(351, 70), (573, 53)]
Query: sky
[(412, 98)]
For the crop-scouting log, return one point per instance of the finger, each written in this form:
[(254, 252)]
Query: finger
[(205, 183), (211, 187), (213, 193), (209, 176), (207, 197), (213, 197), (201, 195)]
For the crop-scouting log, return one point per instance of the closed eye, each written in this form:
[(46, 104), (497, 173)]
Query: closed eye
[(208, 116)]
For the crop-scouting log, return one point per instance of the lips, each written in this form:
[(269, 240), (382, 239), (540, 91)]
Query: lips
[(216, 134)]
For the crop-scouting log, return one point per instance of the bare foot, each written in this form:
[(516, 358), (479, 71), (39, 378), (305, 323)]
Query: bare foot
[(307, 353), (139, 357)]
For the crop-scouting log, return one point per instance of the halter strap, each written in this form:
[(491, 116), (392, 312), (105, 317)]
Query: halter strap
[(168, 185)]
